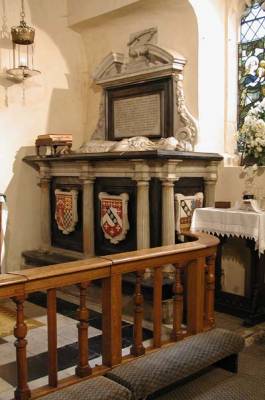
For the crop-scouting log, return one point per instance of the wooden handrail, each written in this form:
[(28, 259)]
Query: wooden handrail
[(1, 235), (195, 258)]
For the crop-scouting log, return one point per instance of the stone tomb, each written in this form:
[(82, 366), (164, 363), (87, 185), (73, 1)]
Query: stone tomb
[(149, 179), (116, 193)]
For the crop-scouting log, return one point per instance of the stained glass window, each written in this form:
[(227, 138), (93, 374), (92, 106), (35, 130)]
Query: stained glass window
[(251, 56)]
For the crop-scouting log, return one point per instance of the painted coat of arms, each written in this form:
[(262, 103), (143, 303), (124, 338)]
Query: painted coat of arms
[(66, 214), (114, 216)]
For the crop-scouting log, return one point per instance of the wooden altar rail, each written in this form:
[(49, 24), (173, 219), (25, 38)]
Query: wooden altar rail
[(1, 234), (197, 257), (2, 196)]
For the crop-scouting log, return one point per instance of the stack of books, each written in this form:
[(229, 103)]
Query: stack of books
[(49, 139), (54, 143)]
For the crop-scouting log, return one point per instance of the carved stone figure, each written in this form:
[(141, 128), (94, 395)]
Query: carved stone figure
[(137, 143), (170, 143), (97, 146)]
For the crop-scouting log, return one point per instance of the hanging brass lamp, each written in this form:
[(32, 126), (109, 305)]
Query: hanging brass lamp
[(23, 49)]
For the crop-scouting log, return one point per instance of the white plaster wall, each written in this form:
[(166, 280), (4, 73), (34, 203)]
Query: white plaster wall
[(233, 181), (53, 102), (177, 29), (83, 10)]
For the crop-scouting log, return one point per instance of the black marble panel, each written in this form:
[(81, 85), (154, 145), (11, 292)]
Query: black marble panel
[(189, 186), (155, 212)]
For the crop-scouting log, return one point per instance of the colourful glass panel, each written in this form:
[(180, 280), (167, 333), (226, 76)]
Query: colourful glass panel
[(251, 75), (251, 59)]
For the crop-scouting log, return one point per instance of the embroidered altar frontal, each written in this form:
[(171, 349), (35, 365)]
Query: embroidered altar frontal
[(104, 203)]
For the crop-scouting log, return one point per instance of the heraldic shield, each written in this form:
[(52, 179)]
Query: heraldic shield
[(66, 210), (114, 216)]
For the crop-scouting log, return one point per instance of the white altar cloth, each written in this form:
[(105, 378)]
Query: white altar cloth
[(231, 222)]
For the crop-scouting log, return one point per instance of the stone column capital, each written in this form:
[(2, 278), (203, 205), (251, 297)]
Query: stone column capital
[(212, 170), (210, 181), (141, 170), (45, 180), (45, 170), (142, 182), (45, 177), (169, 182), (86, 171), (87, 179)]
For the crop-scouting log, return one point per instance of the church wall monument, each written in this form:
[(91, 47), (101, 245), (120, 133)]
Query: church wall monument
[(116, 192)]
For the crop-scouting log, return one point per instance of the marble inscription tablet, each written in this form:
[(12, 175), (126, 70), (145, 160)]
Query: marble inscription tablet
[(137, 115)]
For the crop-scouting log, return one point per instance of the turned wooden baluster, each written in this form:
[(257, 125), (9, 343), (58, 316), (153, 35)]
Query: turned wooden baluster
[(83, 368), (137, 348), (20, 331), (209, 292), (178, 332), (157, 306), (1, 235), (111, 320), (196, 295), (52, 337)]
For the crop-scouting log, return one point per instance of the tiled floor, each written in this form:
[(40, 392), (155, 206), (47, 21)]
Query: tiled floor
[(67, 341)]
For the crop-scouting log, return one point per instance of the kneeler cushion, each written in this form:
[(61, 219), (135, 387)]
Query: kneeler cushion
[(235, 387), (99, 388), (160, 369)]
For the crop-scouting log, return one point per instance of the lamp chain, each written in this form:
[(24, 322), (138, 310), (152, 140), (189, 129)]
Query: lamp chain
[(22, 13)]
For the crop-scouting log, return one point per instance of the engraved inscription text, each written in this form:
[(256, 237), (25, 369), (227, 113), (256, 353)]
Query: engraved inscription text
[(137, 116)]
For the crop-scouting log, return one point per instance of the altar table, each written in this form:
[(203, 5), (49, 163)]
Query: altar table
[(249, 225), (231, 222)]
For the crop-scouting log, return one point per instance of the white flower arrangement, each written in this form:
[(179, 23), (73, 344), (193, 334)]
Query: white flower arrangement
[(252, 135)]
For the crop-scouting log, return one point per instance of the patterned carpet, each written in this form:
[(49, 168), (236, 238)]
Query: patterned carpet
[(218, 384)]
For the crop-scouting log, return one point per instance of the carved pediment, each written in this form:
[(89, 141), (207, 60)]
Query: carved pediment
[(110, 66), (157, 54), (147, 59)]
